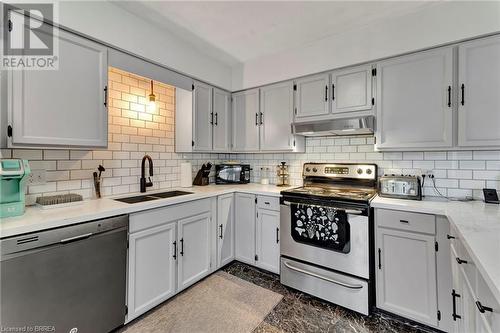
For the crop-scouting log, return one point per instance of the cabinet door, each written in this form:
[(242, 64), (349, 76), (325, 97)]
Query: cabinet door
[(414, 107), (352, 89), (202, 117), (406, 275), (222, 120), (312, 97), (151, 268), (456, 294), (246, 120), (244, 219), (267, 240), (63, 107), (276, 107), (469, 309), (194, 249), (478, 97), (225, 229)]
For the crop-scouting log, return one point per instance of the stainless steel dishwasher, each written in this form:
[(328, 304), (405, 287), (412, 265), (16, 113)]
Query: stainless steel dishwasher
[(70, 279)]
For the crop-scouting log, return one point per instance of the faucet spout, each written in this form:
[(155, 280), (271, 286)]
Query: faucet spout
[(143, 182)]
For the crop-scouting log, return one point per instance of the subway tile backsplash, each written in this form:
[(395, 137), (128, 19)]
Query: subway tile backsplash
[(136, 130)]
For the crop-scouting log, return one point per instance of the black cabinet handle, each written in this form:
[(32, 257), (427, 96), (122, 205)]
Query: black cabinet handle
[(106, 96), (175, 250), (379, 262), (454, 296), (211, 118), (216, 120), (449, 96), (220, 235), (326, 93), (277, 235), (182, 247), (261, 118), (256, 119), (460, 261), (463, 94), (333, 92), (450, 237), (483, 308), (404, 221)]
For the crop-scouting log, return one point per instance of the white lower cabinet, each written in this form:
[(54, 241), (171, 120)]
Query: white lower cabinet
[(475, 308), (152, 268), (244, 222), (406, 275), (225, 229), (194, 249), (406, 279), (267, 240), (257, 221), (170, 248)]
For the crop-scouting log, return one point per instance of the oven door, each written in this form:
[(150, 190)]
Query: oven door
[(327, 235)]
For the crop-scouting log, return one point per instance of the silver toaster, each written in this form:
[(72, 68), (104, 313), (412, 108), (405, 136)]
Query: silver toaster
[(401, 187)]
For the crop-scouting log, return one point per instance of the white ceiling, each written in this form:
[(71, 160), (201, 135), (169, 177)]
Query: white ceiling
[(237, 31)]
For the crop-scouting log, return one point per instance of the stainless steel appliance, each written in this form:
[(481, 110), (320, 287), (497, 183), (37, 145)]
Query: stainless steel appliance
[(232, 173), (327, 233), (65, 278), (341, 127), (401, 187)]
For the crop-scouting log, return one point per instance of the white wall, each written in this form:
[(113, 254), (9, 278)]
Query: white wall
[(114, 25), (434, 25)]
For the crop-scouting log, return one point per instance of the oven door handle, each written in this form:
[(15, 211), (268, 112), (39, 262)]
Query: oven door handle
[(348, 210), (343, 284)]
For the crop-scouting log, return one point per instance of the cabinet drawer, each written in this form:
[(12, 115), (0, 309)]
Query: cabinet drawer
[(159, 216), (337, 288), (272, 203), (395, 219)]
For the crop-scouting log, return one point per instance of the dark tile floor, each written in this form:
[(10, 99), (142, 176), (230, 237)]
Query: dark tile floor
[(299, 312)]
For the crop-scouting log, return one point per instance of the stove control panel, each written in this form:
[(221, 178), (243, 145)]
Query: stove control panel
[(358, 171)]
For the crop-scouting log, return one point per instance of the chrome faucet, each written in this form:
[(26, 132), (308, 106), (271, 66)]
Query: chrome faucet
[(149, 183)]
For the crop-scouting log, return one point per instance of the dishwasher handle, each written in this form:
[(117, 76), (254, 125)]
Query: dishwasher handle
[(75, 238)]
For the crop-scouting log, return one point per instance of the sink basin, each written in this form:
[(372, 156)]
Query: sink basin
[(153, 196)]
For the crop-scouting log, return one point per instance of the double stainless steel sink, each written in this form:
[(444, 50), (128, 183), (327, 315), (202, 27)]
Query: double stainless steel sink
[(152, 196)]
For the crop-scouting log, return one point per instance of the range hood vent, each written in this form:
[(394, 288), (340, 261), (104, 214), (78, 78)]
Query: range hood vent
[(339, 127)]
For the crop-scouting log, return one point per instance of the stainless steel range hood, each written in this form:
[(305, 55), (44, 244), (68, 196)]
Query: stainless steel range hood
[(347, 126)]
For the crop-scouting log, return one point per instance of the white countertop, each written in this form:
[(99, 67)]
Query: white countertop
[(37, 219), (477, 222)]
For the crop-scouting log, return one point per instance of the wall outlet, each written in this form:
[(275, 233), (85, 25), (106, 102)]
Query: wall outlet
[(37, 177)]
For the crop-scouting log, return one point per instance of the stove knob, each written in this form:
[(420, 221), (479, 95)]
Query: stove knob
[(360, 171), (369, 171), (308, 169), (315, 170)]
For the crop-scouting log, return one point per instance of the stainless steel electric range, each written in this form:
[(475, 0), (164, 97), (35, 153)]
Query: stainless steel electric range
[(327, 234)]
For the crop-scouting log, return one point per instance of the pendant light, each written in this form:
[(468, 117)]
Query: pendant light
[(152, 99)]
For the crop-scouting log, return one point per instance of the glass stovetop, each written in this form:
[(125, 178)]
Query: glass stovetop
[(336, 192)]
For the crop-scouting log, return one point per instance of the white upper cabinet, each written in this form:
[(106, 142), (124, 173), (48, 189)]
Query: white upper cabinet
[(276, 115), (203, 117), (414, 101), (478, 94), (222, 120), (246, 120), (65, 107), (312, 97), (352, 89)]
